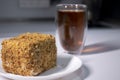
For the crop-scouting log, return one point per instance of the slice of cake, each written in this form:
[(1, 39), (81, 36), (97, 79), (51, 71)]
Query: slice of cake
[(29, 54)]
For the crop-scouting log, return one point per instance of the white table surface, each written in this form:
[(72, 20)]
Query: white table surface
[(100, 57)]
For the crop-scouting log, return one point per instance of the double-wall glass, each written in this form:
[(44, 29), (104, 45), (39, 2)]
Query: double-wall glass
[(71, 26)]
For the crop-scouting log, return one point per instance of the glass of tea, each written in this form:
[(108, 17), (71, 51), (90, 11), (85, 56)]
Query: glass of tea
[(71, 22)]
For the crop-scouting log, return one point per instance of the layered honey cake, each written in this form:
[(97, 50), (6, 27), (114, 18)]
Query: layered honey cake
[(29, 54)]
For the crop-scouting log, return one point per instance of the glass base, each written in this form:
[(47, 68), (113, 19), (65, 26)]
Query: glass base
[(73, 52)]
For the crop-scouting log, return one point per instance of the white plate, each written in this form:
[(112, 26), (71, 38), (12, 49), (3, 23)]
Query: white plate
[(66, 64)]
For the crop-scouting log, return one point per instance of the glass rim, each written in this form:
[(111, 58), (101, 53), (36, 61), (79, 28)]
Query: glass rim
[(72, 5)]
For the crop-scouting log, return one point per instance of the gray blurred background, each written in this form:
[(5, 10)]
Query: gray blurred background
[(102, 13)]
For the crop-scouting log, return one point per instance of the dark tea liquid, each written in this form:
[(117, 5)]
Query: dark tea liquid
[(71, 26)]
